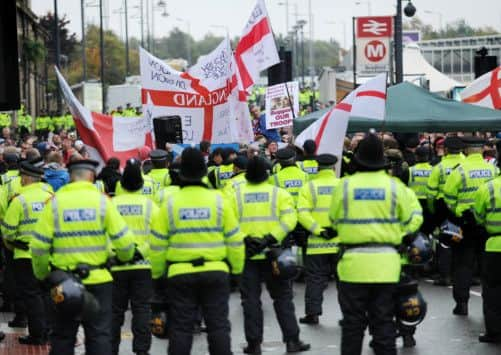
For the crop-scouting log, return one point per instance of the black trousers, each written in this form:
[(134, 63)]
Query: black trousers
[(209, 291), (10, 290), (318, 269), (464, 258), (255, 271), (444, 261), (134, 286), (97, 330), (29, 290), (491, 292), (428, 218), (367, 305)]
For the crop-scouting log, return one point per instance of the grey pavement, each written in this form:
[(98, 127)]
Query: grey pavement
[(440, 334)]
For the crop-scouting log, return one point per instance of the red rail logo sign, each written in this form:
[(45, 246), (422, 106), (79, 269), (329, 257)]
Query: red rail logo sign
[(374, 26), (375, 51)]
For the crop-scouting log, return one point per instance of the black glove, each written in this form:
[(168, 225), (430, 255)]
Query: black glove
[(408, 239), (270, 240), (469, 218), (254, 245), (328, 233), (301, 238)]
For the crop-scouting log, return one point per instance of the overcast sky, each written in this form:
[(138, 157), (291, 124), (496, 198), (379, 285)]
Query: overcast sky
[(330, 16)]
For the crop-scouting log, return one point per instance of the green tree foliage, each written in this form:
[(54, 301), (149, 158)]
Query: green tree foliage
[(68, 41)]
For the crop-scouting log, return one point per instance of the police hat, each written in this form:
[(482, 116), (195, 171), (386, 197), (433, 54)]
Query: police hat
[(31, 168), (257, 170), (158, 155), (132, 178), (454, 143), (309, 146), (87, 164), (326, 160), (423, 152), (286, 155), (241, 162), (370, 153), (473, 141), (193, 167)]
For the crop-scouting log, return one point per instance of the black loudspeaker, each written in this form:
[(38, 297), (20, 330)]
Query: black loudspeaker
[(168, 129), (9, 66), (281, 72), (484, 64)]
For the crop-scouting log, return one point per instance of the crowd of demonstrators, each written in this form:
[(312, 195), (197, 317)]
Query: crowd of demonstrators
[(214, 219)]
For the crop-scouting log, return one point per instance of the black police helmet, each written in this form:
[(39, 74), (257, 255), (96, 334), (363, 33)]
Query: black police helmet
[(411, 309), (70, 298), (158, 324), (450, 234), (283, 263), (158, 321), (420, 250)]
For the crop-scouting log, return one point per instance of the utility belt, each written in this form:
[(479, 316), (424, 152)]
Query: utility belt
[(197, 262), (369, 248), (82, 270), (194, 262)]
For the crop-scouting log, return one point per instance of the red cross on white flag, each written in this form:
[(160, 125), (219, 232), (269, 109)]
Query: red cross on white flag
[(328, 132), (485, 90)]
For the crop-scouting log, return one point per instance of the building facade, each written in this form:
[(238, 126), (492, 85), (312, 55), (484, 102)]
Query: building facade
[(455, 57), (32, 59)]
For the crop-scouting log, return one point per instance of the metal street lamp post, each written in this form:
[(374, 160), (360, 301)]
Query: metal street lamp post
[(84, 42), (410, 10), (58, 51), (300, 24), (101, 53)]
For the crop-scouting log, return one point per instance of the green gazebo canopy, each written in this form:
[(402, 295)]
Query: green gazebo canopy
[(410, 108)]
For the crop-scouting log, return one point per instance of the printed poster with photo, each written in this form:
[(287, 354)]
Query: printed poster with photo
[(278, 104)]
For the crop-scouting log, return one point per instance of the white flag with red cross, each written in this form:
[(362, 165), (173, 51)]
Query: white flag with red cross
[(256, 50), (328, 132), (201, 102), (107, 136), (485, 90)]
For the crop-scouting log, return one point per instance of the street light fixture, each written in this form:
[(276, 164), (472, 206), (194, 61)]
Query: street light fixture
[(164, 14), (299, 27), (161, 3), (286, 4), (409, 11)]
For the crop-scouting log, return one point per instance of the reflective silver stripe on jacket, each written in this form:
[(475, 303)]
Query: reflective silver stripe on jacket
[(372, 250), (197, 245)]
